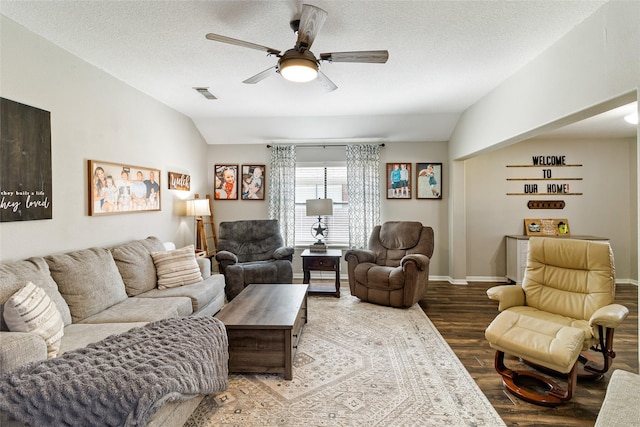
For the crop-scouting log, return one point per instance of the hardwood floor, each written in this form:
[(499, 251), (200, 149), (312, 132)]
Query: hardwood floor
[(461, 313)]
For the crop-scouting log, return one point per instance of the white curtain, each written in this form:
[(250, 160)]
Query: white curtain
[(363, 177), (282, 190)]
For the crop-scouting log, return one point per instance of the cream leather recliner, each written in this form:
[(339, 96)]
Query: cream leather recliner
[(563, 308)]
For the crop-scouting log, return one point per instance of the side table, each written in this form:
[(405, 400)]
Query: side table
[(321, 261)]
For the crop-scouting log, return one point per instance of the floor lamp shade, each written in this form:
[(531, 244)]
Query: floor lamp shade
[(198, 207)]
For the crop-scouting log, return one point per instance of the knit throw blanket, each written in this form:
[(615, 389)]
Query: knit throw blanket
[(123, 379)]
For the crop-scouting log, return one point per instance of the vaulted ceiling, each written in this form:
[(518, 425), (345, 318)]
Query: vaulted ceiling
[(443, 57)]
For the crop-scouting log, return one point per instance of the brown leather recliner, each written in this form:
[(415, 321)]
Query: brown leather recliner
[(394, 271)]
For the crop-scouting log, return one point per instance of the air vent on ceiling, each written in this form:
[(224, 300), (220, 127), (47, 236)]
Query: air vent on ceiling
[(204, 91)]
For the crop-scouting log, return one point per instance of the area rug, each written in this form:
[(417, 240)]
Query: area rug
[(357, 364)]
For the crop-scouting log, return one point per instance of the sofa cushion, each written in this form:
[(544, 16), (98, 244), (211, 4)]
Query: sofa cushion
[(201, 293), (31, 310), (20, 348), (15, 275), (88, 280), (136, 309), (176, 268), (80, 335), (136, 265)]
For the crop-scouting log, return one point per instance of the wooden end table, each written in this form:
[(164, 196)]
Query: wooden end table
[(321, 261)]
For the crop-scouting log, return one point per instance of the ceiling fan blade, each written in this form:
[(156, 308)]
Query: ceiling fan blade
[(326, 83), (229, 40), (261, 75), (366, 56), (311, 21)]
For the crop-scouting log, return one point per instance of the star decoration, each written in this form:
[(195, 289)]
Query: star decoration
[(320, 230)]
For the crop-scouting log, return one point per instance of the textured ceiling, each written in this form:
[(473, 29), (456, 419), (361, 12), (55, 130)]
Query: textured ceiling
[(443, 57)]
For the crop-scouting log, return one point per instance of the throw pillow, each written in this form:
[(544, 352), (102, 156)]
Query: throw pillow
[(31, 310), (13, 276), (176, 268), (88, 280), (136, 265)]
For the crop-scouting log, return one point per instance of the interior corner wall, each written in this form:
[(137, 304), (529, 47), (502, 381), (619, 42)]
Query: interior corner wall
[(430, 212), (595, 62), (95, 116), (606, 207)]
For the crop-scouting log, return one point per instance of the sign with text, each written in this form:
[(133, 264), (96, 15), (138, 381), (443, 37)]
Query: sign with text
[(179, 181), (546, 182), (25, 157)]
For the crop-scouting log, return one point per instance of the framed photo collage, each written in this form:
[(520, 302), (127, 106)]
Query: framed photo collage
[(400, 181)]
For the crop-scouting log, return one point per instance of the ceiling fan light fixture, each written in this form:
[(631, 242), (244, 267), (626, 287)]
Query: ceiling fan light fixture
[(300, 70)]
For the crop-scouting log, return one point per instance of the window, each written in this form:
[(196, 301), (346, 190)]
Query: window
[(322, 182)]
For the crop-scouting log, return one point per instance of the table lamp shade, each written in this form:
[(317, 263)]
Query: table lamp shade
[(318, 207)]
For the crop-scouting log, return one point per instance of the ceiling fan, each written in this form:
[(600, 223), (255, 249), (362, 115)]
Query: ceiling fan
[(299, 64)]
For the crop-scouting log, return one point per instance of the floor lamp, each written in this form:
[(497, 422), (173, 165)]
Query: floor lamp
[(198, 208)]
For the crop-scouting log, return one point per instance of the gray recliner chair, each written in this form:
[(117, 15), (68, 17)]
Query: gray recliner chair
[(253, 251)]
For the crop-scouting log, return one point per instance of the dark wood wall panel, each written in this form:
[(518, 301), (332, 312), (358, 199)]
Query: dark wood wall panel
[(25, 160)]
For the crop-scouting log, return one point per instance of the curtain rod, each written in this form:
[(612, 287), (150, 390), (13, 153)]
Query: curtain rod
[(318, 145)]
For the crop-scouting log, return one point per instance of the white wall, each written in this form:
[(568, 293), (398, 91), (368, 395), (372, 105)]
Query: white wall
[(94, 116), (429, 212), (605, 209)]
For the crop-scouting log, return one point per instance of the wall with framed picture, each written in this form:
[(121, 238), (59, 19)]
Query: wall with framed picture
[(226, 182), (120, 188), (399, 180), (253, 182), (429, 180)]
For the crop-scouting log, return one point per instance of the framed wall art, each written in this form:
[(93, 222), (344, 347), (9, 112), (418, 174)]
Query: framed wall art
[(119, 188), (428, 180), (226, 182), (253, 180), (25, 163), (399, 180), (179, 181)]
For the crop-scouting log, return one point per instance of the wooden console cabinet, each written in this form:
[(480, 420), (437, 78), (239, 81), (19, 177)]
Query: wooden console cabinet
[(518, 247), (264, 324)]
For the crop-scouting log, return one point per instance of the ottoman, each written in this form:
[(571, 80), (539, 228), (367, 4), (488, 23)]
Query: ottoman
[(540, 342)]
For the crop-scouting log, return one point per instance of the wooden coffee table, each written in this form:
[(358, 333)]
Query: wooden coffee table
[(264, 324)]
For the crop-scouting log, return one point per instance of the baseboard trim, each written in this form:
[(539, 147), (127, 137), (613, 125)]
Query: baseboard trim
[(481, 279), (456, 281), (493, 279)]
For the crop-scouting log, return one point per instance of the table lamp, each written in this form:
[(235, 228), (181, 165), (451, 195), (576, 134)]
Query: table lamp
[(319, 230)]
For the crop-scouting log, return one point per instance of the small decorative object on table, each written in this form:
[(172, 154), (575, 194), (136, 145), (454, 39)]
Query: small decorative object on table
[(547, 227)]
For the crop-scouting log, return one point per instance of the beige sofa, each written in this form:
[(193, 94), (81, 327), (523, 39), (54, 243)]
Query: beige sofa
[(620, 407), (105, 291)]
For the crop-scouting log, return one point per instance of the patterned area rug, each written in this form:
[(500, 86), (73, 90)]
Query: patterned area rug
[(357, 364)]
